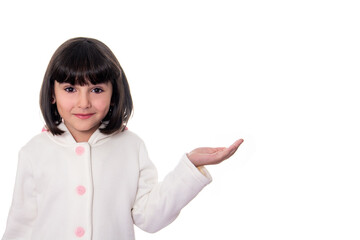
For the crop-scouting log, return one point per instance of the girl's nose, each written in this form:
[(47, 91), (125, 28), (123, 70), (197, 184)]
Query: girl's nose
[(84, 101)]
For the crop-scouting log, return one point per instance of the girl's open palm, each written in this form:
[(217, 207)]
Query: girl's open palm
[(207, 156)]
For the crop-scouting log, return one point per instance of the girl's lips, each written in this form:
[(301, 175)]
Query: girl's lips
[(84, 116)]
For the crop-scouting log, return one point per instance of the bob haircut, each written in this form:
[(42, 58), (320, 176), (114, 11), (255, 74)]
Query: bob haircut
[(80, 61)]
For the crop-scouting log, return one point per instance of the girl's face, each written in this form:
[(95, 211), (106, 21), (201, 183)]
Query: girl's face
[(82, 107)]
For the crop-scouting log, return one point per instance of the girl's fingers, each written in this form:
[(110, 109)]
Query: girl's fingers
[(232, 153), (233, 148), (237, 143)]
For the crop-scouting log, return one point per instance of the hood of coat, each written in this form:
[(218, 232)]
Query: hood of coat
[(66, 138)]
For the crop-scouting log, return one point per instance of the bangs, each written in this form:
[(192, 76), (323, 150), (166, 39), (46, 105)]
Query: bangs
[(82, 64)]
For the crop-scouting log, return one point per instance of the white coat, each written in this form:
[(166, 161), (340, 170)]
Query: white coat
[(95, 190)]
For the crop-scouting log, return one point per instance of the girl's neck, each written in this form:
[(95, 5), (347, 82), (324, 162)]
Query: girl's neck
[(81, 136)]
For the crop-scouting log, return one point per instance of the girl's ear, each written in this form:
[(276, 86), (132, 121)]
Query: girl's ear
[(53, 101)]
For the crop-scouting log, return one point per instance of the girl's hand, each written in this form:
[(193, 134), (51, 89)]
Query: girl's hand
[(207, 156)]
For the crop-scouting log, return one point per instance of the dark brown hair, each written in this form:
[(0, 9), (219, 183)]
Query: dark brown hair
[(80, 61)]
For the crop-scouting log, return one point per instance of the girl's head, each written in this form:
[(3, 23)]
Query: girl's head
[(82, 62)]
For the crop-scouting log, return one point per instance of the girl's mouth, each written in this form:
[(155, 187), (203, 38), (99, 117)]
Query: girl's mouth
[(84, 116)]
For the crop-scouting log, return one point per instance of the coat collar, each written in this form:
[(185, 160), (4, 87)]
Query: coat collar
[(67, 139)]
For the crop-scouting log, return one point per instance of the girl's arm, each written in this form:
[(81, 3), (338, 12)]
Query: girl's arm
[(24, 208), (158, 204)]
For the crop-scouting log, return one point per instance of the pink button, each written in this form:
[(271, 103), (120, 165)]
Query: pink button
[(81, 190), (79, 232), (80, 150)]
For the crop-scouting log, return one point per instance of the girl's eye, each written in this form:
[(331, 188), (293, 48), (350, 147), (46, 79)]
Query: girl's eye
[(97, 90), (69, 89)]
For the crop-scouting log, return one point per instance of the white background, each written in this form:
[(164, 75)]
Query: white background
[(283, 75)]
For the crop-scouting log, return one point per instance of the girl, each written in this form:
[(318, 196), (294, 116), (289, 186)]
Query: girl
[(86, 177)]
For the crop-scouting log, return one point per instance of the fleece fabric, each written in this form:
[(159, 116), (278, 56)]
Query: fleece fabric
[(95, 190)]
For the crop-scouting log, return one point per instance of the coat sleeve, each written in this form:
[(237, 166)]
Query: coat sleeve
[(23, 209), (158, 204)]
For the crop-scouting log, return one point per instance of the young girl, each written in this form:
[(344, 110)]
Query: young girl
[(86, 176)]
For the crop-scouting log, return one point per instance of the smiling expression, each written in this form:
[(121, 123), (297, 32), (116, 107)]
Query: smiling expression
[(82, 108)]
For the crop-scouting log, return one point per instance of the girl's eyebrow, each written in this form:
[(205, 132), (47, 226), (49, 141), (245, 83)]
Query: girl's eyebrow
[(99, 84), (89, 84), (64, 83)]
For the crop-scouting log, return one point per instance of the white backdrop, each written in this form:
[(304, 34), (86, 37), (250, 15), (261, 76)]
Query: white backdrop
[(283, 75)]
